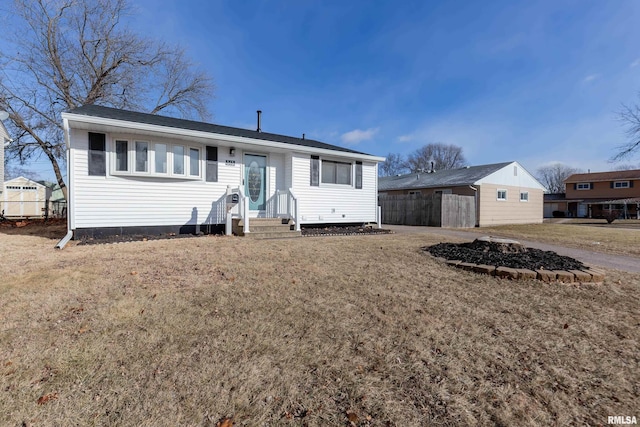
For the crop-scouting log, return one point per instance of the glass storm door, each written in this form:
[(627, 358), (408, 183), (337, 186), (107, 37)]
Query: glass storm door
[(255, 183)]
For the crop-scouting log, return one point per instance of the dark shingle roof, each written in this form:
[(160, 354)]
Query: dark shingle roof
[(603, 176), (154, 119), (443, 178)]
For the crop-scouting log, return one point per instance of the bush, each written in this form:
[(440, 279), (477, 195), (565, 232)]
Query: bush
[(612, 216), (558, 214)]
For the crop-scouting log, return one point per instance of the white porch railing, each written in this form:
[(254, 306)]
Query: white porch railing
[(283, 204)]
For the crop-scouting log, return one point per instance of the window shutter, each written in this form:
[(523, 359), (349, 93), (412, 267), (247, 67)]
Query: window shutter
[(575, 186), (315, 171), (212, 164), (611, 184), (630, 184), (358, 175), (591, 186), (97, 156)]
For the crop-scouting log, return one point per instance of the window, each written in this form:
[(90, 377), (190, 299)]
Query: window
[(178, 160), (336, 172), (502, 194), (359, 175), (584, 186), (415, 192), (315, 171), (212, 164), (142, 156), (122, 156), (156, 158), (97, 156), (524, 196), (194, 162), (621, 184), (160, 151)]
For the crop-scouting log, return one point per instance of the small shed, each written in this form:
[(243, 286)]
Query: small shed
[(24, 198)]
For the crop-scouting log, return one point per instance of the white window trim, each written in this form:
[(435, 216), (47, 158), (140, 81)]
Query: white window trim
[(526, 199), (498, 191), (581, 186), (331, 184), (621, 187), (151, 157)]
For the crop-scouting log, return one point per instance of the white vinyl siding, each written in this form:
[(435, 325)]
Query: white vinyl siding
[(119, 201), (332, 203), (125, 199)]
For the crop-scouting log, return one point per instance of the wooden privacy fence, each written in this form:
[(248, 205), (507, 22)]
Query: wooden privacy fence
[(435, 210)]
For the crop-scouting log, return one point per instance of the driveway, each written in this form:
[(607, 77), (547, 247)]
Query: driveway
[(617, 262)]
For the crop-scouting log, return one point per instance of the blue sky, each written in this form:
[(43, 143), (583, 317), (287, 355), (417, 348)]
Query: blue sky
[(533, 81)]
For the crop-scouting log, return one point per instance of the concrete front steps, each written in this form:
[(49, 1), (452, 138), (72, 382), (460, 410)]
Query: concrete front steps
[(266, 228)]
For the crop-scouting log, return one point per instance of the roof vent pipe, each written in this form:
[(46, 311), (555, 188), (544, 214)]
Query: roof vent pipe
[(303, 136), (259, 120), (432, 169)]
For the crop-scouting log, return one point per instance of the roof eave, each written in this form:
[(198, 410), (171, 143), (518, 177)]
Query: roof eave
[(125, 124)]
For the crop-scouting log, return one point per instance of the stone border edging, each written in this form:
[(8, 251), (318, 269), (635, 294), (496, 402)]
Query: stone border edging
[(592, 275)]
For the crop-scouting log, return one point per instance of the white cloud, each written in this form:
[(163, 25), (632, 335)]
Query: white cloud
[(635, 63), (590, 77), (406, 138), (356, 136)]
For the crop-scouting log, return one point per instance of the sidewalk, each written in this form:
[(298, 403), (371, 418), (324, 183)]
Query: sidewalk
[(616, 262)]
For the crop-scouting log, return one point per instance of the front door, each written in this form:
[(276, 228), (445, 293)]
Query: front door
[(255, 181)]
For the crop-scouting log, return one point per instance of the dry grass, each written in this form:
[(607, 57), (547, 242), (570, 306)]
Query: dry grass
[(611, 239), (315, 331)]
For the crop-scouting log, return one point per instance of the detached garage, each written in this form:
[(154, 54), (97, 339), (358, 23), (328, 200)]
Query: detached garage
[(24, 198), (503, 193)]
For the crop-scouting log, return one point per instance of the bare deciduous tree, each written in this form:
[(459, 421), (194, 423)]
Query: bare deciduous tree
[(443, 157), (630, 117), (393, 165), (65, 53), (552, 176)]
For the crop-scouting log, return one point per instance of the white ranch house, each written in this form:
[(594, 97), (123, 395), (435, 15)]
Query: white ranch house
[(131, 172)]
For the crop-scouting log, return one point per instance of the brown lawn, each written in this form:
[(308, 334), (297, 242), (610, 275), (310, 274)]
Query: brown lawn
[(619, 238), (312, 331)]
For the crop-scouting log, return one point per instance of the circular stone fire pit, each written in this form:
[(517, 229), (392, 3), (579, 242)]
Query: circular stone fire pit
[(510, 259)]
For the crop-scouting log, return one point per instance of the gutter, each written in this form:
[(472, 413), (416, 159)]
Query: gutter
[(62, 243)]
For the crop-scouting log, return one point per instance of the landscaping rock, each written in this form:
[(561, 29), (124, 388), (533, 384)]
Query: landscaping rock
[(564, 276), (581, 276), (525, 273), (546, 275), (507, 273)]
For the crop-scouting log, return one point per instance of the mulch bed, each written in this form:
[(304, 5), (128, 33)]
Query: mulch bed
[(341, 230), (487, 253)]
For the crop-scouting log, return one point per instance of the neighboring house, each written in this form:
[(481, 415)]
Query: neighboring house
[(131, 172), (555, 205), (505, 193), (595, 195), (57, 203), (24, 198)]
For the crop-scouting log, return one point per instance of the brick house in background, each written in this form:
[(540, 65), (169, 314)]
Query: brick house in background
[(594, 195)]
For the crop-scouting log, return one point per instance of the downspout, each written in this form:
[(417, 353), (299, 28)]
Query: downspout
[(477, 205), (61, 244)]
